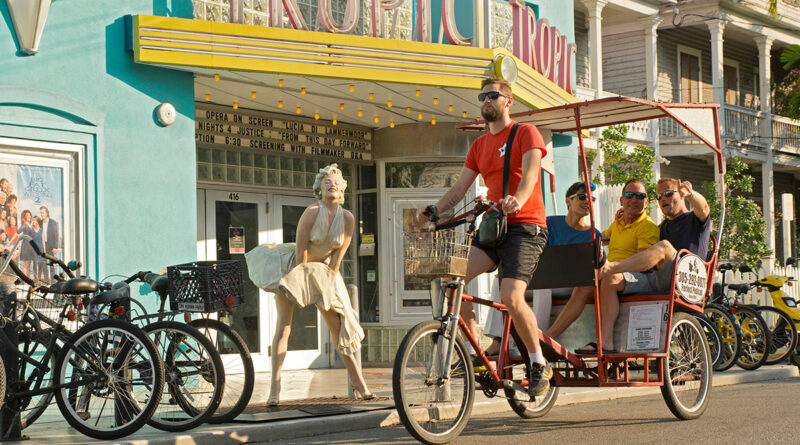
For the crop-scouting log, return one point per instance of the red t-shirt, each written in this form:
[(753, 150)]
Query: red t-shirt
[(486, 158)]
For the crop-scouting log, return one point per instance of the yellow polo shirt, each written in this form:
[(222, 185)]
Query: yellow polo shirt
[(627, 239)]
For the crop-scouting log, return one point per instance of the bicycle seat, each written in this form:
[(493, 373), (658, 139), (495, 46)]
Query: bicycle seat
[(739, 288), (160, 285), (725, 266), (75, 286), (112, 295)]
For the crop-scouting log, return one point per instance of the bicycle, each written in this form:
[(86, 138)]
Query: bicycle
[(433, 379), (193, 369), (726, 324), (237, 363), (106, 376)]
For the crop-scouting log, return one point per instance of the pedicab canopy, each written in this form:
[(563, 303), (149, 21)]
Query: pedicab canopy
[(700, 120)]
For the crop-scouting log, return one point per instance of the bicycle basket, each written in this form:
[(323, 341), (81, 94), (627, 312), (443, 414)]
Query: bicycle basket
[(205, 286), (438, 254)]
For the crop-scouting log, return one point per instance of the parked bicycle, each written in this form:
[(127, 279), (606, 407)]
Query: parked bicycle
[(106, 376), (237, 363)]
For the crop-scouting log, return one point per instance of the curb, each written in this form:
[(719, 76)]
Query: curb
[(235, 434)]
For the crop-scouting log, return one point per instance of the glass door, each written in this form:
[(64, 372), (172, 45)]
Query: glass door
[(235, 223), (309, 340)]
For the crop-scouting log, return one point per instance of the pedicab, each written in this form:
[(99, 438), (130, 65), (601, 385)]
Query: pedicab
[(662, 344)]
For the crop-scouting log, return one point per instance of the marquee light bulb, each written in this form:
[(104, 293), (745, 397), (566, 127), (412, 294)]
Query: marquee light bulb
[(389, 104), (280, 104), (419, 116), (253, 94), (316, 116), (235, 105), (417, 93), (298, 110), (391, 124), (433, 121), (280, 83), (216, 77), (302, 91), (464, 115), (335, 121), (436, 101), (450, 108), (352, 88), (208, 97), (341, 106), (371, 96), (377, 120), (408, 109), (360, 113)]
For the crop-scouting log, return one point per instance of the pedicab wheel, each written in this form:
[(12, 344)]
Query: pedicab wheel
[(727, 326), (795, 358), (521, 404), (713, 336), (687, 373), (120, 378), (755, 339), (433, 406)]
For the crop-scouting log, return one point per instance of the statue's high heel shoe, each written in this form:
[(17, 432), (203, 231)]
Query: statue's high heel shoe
[(366, 397)]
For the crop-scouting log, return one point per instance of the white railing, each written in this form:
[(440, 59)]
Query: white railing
[(785, 133), (742, 125), (606, 204)]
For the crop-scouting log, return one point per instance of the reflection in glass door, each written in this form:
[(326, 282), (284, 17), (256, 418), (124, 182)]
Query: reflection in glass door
[(307, 339), (235, 222)]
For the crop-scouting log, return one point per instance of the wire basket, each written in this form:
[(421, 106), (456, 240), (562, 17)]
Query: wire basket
[(205, 286), (437, 254)]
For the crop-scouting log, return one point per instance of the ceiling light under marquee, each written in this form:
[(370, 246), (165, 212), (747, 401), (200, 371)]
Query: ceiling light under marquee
[(352, 88), (436, 101), (341, 106), (316, 116), (360, 113), (433, 121), (235, 105), (389, 104), (253, 94), (280, 83), (303, 91), (450, 108), (216, 77), (208, 97), (371, 96), (417, 93), (280, 104), (391, 124), (298, 110)]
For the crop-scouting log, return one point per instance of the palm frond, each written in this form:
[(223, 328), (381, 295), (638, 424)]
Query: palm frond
[(790, 56)]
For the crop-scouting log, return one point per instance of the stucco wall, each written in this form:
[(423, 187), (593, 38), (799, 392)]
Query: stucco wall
[(140, 198)]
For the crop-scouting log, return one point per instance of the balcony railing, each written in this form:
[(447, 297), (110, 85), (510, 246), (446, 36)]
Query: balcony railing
[(742, 125), (786, 134)]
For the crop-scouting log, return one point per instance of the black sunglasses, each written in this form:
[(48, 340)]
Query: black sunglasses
[(493, 95), (667, 193), (639, 195), (580, 196)]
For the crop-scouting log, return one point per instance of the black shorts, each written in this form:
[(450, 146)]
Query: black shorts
[(519, 254)]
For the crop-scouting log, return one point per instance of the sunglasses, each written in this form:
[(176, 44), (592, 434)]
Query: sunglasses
[(580, 196), (667, 193), (639, 195), (493, 95)]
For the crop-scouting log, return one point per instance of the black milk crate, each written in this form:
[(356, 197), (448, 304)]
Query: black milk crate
[(205, 286)]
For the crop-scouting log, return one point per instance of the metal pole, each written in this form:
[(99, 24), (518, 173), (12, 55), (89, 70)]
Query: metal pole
[(352, 289)]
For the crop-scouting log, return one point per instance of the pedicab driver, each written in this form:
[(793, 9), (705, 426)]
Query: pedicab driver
[(518, 255)]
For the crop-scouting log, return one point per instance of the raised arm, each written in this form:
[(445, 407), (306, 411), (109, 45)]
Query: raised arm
[(698, 201), (304, 233), (338, 254)]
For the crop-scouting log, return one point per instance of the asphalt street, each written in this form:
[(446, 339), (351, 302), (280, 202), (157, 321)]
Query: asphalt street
[(753, 413)]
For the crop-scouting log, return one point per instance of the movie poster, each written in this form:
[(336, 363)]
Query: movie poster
[(32, 203)]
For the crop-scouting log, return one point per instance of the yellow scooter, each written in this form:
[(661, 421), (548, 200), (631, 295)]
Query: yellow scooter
[(782, 301)]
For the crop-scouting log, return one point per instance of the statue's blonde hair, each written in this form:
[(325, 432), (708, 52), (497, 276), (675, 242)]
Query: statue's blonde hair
[(341, 184)]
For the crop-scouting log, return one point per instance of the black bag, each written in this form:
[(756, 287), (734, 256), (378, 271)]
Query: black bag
[(492, 231)]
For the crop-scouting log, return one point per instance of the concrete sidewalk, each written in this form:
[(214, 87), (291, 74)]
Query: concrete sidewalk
[(300, 417)]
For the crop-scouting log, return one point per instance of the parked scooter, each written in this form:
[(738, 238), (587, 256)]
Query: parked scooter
[(781, 300)]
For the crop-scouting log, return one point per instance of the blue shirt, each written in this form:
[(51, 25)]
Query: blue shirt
[(559, 232), (687, 232)]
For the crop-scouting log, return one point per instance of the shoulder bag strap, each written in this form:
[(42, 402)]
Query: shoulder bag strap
[(507, 160)]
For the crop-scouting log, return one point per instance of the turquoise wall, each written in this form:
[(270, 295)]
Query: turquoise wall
[(84, 88)]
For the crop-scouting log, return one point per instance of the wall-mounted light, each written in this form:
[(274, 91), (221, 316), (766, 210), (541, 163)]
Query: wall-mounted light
[(28, 17), (166, 114)]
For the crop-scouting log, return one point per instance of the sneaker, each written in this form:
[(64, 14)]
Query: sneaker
[(477, 364), (539, 379)]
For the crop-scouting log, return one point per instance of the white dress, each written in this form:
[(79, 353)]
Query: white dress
[(314, 282)]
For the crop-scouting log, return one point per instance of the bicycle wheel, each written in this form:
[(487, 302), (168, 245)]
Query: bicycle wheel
[(713, 336), (521, 402), (433, 398), (728, 327), (237, 364), (30, 378), (687, 374), (755, 339), (193, 376), (118, 376), (782, 332)]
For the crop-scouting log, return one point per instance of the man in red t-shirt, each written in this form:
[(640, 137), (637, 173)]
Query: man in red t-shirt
[(518, 255)]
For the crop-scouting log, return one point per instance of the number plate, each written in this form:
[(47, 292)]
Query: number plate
[(191, 307)]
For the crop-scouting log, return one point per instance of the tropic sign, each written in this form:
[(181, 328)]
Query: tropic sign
[(535, 42)]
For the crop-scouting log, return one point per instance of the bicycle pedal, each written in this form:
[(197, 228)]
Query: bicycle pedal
[(85, 415)]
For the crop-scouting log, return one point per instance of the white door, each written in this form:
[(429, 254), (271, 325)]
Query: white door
[(309, 341), (229, 214)]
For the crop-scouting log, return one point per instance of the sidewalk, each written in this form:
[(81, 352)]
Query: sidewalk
[(331, 411)]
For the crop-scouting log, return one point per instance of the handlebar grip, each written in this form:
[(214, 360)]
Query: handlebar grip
[(74, 265), (36, 248), (431, 212), (150, 277)]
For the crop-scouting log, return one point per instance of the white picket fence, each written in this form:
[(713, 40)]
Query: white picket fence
[(606, 204)]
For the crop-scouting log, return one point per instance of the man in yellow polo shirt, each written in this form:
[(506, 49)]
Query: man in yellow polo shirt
[(632, 232)]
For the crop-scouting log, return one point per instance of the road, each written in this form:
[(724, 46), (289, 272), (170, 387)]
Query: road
[(754, 413)]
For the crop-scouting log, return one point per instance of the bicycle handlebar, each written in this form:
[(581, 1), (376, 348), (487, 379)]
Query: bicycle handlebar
[(53, 260)]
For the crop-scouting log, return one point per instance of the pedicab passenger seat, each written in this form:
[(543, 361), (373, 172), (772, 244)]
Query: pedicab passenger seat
[(565, 265)]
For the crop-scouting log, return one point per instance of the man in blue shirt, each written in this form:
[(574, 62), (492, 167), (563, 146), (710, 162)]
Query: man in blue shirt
[(572, 228)]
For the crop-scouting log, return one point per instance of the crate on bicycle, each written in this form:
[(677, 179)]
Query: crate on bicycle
[(205, 286)]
